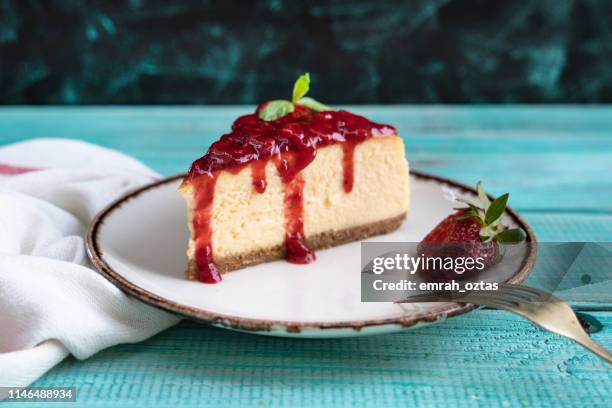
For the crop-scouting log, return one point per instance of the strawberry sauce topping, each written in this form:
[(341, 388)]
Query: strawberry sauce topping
[(291, 143), (258, 176)]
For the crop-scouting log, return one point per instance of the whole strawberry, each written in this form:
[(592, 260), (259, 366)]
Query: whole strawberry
[(473, 232)]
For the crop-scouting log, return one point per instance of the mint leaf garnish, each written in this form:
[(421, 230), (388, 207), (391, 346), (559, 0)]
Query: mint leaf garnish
[(301, 87), (276, 109), (281, 107), (313, 104)]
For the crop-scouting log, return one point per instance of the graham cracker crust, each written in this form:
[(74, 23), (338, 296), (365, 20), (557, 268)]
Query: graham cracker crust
[(320, 241)]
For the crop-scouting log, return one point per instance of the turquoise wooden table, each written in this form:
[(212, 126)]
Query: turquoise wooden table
[(555, 161)]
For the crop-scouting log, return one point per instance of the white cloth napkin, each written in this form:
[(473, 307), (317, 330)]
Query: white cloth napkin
[(52, 302)]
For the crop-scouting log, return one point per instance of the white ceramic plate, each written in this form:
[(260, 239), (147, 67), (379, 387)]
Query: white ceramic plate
[(139, 243)]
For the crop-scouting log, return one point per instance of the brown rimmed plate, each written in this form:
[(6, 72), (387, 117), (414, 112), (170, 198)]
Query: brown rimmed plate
[(138, 243)]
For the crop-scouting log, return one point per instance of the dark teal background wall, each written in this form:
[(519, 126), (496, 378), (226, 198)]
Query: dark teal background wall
[(385, 51)]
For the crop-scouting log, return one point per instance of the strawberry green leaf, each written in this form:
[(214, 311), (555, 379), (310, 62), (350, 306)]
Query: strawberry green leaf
[(483, 196), (496, 222), (276, 109), (463, 216), (463, 200), (510, 236), (487, 232), (301, 87), (314, 104), (496, 209), (477, 210)]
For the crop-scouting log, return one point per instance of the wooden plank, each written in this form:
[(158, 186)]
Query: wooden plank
[(486, 358), (570, 227)]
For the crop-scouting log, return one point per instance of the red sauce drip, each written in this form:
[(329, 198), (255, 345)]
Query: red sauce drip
[(293, 183), (292, 142), (258, 175), (348, 165), (204, 197)]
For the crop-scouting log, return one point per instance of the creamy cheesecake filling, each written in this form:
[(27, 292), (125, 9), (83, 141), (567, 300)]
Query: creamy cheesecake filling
[(285, 149)]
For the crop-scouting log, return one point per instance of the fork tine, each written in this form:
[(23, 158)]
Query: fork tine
[(490, 300), (423, 297), (558, 317), (484, 298), (542, 308), (519, 295), (520, 287), (527, 290), (595, 348)]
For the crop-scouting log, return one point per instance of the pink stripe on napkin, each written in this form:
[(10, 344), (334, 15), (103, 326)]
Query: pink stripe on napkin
[(10, 170)]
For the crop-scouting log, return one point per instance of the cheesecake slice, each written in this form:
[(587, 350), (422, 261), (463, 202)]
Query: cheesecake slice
[(291, 178)]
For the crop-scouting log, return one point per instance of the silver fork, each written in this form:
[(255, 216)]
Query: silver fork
[(542, 308)]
